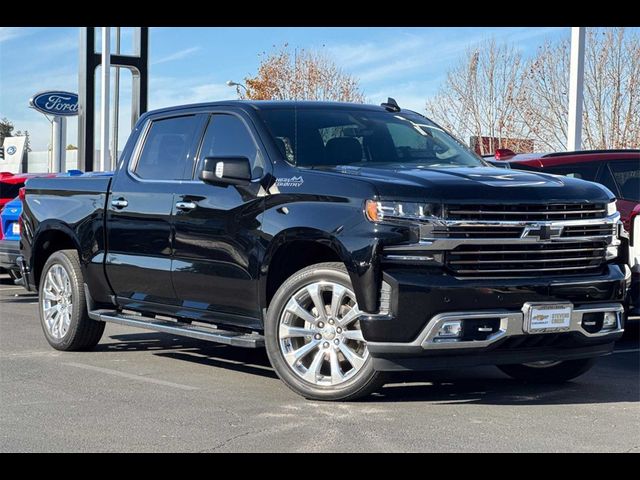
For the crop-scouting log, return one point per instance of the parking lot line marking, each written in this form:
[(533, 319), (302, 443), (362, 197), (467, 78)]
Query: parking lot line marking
[(11, 288), (629, 350), (131, 376)]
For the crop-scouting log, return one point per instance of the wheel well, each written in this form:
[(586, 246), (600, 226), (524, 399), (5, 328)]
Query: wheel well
[(294, 256), (47, 244)]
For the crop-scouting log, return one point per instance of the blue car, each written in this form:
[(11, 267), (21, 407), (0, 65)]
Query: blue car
[(10, 237), (10, 229)]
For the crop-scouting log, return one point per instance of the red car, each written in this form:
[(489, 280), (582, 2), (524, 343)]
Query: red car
[(10, 185), (618, 170)]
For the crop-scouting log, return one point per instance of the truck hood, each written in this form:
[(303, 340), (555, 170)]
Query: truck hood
[(485, 185)]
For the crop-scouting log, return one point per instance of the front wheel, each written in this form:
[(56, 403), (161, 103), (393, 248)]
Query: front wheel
[(313, 336), (548, 372)]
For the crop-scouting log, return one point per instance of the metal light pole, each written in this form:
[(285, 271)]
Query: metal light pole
[(58, 147), (231, 83), (116, 107), (104, 98), (576, 85)]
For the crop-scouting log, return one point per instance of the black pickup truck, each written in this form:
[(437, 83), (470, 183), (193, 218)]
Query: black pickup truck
[(350, 240)]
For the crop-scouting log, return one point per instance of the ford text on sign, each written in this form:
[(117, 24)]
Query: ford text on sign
[(56, 103)]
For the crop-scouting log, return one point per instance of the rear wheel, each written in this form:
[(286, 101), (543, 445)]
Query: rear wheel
[(548, 372), (313, 336), (63, 307)]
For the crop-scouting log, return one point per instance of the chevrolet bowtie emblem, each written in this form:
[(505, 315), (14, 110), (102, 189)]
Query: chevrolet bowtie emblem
[(543, 232)]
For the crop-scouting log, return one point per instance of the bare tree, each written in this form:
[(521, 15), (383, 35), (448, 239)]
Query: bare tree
[(6, 129), (479, 96), (301, 75), (611, 116)]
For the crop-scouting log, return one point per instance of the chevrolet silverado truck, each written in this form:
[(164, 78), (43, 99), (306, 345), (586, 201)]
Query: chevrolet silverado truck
[(349, 240)]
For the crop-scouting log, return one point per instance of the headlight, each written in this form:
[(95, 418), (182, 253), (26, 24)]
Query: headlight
[(612, 208), (387, 210)]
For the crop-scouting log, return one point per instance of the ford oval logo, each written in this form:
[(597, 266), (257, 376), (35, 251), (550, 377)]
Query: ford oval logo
[(56, 103)]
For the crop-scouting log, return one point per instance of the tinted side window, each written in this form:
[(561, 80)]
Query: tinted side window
[(227, 136), (165, 149), (627, 175), (583, 171)]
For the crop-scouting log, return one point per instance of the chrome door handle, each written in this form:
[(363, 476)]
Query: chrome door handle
[(185, 205), (119, 203)]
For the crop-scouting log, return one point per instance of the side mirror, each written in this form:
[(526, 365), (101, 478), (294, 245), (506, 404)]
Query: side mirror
[(226, 170)]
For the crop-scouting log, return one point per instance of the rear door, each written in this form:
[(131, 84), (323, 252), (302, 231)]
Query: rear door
[(217, 229), (138, 261)]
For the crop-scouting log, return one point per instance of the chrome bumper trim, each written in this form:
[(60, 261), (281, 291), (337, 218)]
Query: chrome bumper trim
[(511, 324)]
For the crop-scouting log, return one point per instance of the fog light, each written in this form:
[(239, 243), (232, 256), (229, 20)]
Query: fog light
[(450, 330), (610, 321)]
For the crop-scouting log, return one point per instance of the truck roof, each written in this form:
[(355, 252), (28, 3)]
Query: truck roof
[(272, 104)]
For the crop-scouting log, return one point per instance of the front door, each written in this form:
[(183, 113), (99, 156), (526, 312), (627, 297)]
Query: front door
[(217, 231), (138, 262)]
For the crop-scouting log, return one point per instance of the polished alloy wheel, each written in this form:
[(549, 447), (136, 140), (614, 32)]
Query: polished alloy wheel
[(57, 305), (319, 334)]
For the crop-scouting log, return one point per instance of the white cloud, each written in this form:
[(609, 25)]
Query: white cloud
[(9, 33), (356, 55), (169, 91), (177, 55), (409, 52), (62, 45)]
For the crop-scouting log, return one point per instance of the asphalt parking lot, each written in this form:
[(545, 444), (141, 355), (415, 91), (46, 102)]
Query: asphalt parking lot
[(146, 391)]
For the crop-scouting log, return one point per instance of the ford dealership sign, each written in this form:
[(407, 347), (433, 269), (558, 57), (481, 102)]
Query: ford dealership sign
[(56, 103)]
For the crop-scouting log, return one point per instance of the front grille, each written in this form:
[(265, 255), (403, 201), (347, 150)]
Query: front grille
[(528, 212), (509, 231), (479, 231), (589, 230), (527, 259)]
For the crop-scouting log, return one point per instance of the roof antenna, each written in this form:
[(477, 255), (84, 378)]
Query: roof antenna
[(391, 105)]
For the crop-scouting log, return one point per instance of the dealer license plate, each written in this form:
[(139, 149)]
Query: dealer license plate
[(547, 318), (15, 228)]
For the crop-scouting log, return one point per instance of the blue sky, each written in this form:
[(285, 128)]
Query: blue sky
[(192, 64)]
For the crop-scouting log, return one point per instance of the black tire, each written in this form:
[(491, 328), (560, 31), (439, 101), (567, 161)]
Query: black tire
[(554, 373), (364, 382), (83, 333)]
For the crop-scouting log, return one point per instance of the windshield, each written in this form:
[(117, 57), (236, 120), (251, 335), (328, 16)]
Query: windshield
[(329, 136)]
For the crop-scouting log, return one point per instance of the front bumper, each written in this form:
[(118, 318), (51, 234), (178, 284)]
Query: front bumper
[(421, 300), (9, 253)]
